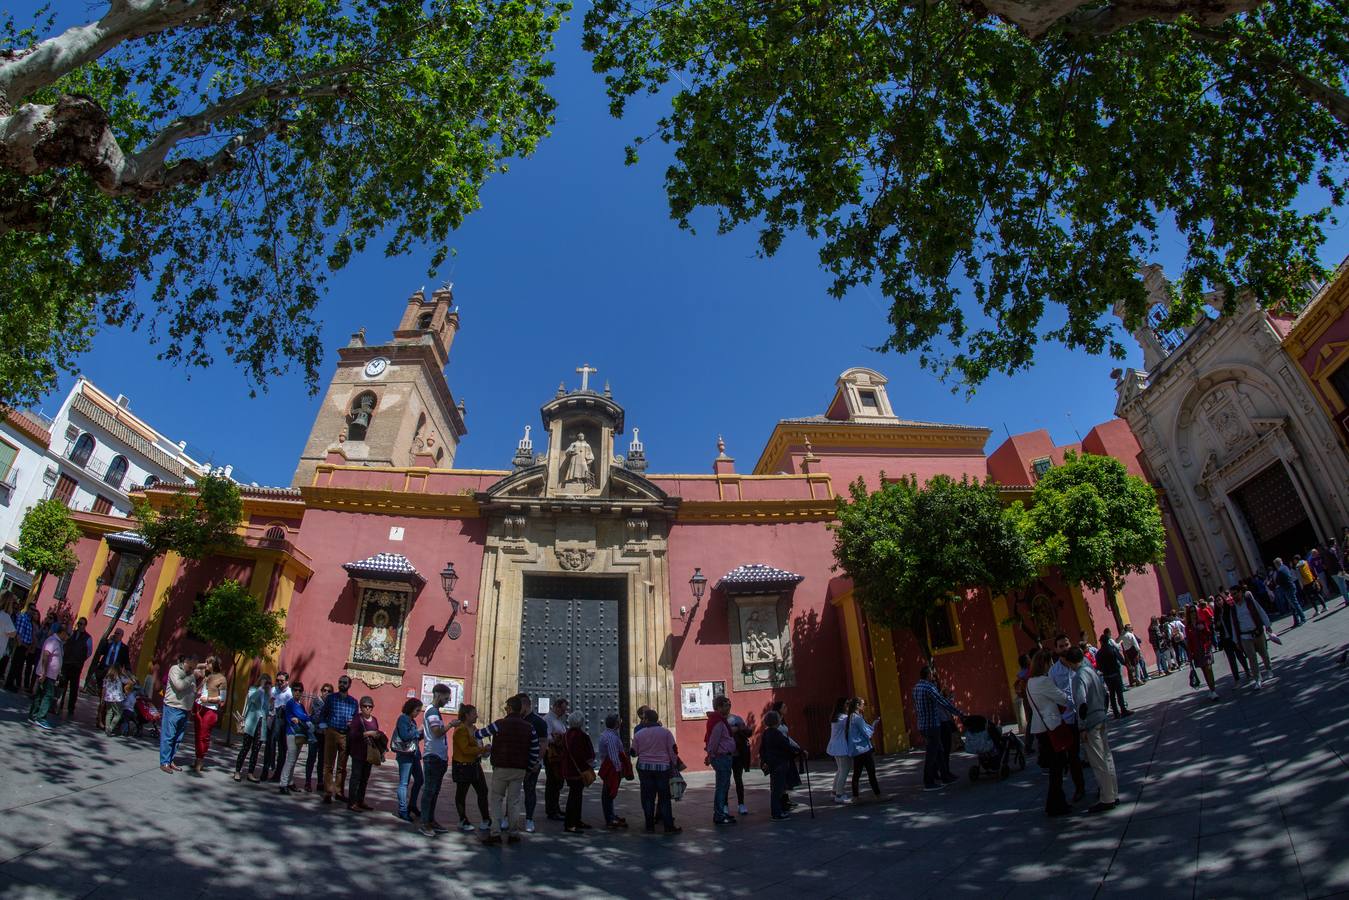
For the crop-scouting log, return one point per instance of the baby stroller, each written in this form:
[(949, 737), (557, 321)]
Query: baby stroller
[(146, 714), (998, 751)]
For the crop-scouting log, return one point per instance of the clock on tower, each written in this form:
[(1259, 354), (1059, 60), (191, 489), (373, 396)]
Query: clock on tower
[(389, 404)]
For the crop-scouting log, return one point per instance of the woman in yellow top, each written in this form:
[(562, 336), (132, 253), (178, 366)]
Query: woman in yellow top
[(466, 769)]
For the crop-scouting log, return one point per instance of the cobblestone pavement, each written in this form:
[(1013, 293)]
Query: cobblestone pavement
[(1248, 796)]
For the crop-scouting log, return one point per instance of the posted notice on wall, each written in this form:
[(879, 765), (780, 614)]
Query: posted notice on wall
[(695, 698), (456, 689)]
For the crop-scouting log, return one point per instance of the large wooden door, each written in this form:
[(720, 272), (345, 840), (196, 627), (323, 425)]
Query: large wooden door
[(570, 646)]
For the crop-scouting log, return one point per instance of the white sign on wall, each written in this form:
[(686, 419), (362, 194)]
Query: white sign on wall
[(695, 698), (456, 686)]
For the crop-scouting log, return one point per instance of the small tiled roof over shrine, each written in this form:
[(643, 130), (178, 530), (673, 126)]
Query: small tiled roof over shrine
[(127, 541), (385, 567), (757, 578)]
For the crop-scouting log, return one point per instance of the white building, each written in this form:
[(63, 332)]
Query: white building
[(90, 455)]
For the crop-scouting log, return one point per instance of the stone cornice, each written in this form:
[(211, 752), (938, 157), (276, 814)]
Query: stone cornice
[(853, 435), (391, 502), (714, 511)]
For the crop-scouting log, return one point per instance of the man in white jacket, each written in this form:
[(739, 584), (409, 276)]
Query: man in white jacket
[(1089, 699), (1253, 622)]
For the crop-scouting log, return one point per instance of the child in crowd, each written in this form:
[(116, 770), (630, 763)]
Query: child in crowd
[(128, 715), (114, 694)]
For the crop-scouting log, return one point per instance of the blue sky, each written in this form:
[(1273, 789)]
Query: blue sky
[(574, 259)]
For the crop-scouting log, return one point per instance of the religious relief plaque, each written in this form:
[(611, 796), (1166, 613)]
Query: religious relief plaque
[(760, 643), (377, 638)]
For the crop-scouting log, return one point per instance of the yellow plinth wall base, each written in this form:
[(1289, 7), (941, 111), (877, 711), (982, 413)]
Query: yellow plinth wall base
[(168, 572)]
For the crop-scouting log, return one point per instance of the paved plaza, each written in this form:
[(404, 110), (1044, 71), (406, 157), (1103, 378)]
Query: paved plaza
[(1245, 797)]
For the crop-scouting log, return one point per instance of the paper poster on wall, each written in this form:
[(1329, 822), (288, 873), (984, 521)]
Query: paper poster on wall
[(695, 698), (456, 689)]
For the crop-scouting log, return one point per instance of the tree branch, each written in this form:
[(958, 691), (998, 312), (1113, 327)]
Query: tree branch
[(75, 132), (26, 71), (1082, 17)]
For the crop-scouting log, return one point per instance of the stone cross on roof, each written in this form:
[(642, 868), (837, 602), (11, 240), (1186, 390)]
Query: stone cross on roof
[(585, 371)]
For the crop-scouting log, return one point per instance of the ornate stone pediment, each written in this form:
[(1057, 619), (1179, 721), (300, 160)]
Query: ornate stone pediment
[(529, 487)]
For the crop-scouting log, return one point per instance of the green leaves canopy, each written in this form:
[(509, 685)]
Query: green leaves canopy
[(908, 548), (195, 521), (202, 166), (230, 619), (47, 538), (1037, 151), (1095, 521)]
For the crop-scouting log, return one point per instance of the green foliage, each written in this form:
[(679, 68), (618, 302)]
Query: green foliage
[(926, 146), (293, 133), (1095, 522), (195, 522), (229, 619), (47, 538), (908, 547)]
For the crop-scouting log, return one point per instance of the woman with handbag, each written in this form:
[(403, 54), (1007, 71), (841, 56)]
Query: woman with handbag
[(466, 770), (252, 720), (577, 768), (406, 745), (1047, 701), (362, 734)]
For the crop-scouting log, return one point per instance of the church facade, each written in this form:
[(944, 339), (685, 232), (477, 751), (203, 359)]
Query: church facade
[(572, 571), (1233, 431)]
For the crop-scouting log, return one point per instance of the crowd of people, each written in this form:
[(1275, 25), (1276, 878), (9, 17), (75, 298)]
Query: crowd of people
[(1066, 693)]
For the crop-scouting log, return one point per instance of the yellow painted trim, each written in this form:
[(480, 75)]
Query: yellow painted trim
[(1324, 309), (1083, 611), (1185, 572), (756, 510), (1006, 643), (891, 699), (424, 470), (868, 434), (91, 581), (391, 502), (168, 574), (955, 630), (852, 624), (1123, 609), (285, 591)]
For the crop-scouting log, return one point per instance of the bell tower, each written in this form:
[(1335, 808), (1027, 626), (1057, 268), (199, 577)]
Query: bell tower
[(388, 404)]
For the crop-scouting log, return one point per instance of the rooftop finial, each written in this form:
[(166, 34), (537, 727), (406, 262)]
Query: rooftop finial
[(721, 444)]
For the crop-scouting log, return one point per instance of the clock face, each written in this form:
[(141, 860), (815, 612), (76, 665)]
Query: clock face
[(376, 367)]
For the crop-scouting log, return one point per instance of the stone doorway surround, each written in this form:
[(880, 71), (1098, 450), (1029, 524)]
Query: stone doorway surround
[(617, 526)]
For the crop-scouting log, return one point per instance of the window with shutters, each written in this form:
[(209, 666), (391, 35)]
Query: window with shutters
[(64, 490), (102, 504), (8, 454)]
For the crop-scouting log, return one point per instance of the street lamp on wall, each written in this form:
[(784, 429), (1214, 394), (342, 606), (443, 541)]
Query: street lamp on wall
[(697, 587), (448, 579)]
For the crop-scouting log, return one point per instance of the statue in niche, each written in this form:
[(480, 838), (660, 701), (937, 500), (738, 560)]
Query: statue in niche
[(576, 466), (377, 637)]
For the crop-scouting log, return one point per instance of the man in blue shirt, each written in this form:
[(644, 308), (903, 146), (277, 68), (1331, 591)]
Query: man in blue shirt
[(531, 785), (1064, 678), (337, 714)]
